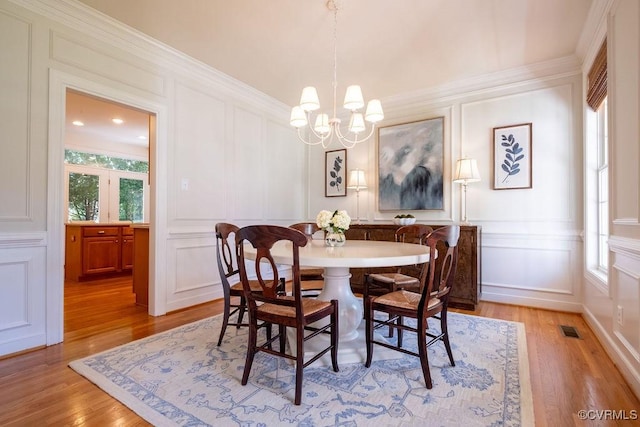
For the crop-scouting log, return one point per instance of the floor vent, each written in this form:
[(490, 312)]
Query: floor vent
[(569, 331)]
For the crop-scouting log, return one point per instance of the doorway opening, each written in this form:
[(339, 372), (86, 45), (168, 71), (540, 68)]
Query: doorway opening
[(106, 191)]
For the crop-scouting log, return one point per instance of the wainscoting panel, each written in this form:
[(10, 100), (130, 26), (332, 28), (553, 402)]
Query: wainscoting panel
[(286, 179), (192, 278), (15, 56), (252, 157), (541, 271), (22, 298), (625, 278), (199, 155)]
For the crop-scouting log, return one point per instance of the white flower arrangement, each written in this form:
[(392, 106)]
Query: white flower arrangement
[(332, 222)]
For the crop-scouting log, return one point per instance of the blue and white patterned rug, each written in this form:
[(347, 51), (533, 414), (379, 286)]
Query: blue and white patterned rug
[(180, 377)]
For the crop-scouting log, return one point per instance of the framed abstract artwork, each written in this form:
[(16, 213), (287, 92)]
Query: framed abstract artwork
[(410, 166), (512, 157), (335, 181)]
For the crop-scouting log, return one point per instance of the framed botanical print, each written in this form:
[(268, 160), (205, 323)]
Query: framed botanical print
[(512, 157), (335, 181), (410, 165)]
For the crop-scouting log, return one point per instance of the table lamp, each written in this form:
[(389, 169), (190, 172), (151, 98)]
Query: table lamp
[(357, 181), (466, 172)]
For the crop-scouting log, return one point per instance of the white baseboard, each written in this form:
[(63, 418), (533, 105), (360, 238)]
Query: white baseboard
[(627, 369)]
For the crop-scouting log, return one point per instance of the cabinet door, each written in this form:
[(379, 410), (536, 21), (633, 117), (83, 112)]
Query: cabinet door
[(127, 252), (100, 255)]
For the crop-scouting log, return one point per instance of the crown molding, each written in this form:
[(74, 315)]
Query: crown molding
[(514, 77), (80, 17), (594, 30)]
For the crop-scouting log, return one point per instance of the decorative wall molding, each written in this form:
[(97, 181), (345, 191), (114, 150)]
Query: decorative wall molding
[(626, 246), (515, 78), (86, 20), (611, 347), (12, 240), (627, 221)]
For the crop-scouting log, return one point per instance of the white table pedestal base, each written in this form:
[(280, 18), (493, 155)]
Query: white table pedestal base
[(337, 286)]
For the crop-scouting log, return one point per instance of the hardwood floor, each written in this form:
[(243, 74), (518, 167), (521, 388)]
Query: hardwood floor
[(38, 388)]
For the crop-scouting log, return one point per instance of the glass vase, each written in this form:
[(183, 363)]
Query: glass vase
[(335, 239)]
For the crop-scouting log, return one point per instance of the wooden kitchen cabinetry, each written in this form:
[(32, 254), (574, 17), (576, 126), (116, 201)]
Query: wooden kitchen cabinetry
[(97, 250), (466, 289)]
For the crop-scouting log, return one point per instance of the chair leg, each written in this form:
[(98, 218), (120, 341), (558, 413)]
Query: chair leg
[(299, 363), (368, 315), (241, 310), (400, 322), (225, 318), (445, 335), (251, 351), (422, 351), (283, 337), (335, 332)]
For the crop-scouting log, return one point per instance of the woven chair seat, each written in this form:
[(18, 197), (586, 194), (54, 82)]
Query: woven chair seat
[(398, 278), (309, 307), (404, 299), (255, 286)]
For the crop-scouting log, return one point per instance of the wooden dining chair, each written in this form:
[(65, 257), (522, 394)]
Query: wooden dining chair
[(287, 311), (232, 289), (312, 277), (407, 277), (436, 281)]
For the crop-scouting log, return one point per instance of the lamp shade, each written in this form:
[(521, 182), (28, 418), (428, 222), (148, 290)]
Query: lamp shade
[(374, 111), (353, 98), (466, 171), (356, 123), (309, 99), (298, 117), (357, 179)]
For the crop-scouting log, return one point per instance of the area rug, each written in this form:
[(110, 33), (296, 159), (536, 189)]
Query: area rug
[(181, 378)]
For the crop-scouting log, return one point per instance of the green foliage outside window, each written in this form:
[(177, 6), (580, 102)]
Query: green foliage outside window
[(83, 197), (79, 158), (84, 203)]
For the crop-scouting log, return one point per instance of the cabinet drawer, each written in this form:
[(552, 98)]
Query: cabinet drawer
[(127, 231), (100, 231)]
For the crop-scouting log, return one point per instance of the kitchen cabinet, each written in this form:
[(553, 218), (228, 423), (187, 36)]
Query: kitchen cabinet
[(97, 250), (141, 263), (466, 289)]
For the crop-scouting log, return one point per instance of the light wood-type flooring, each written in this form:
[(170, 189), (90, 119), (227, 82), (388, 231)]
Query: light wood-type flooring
[(37, 388)]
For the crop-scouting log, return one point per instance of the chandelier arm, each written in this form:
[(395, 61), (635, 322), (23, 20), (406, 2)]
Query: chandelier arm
[(352, 142), (319, 141)]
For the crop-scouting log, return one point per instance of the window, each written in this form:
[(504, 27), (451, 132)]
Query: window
[(603, 188), (105, 189), (597, 171)]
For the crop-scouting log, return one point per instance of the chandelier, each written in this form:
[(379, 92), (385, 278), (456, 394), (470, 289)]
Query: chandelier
[(325, 128)]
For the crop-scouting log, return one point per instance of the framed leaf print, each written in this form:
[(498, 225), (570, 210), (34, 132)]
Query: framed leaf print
[(512, 156), (335, 182)]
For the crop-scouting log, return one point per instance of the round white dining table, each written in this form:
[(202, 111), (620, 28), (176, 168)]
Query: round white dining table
[(337, 261)]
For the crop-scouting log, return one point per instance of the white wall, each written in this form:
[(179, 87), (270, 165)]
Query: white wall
[(531, 243), (225, 138)]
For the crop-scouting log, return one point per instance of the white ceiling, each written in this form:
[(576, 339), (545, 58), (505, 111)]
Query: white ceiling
[(388, 47)]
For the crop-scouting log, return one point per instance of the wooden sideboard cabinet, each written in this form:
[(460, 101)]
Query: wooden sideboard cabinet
[(96, 250), (465, 292)]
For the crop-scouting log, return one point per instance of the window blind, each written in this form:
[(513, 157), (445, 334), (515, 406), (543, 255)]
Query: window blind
[(597, 79)]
